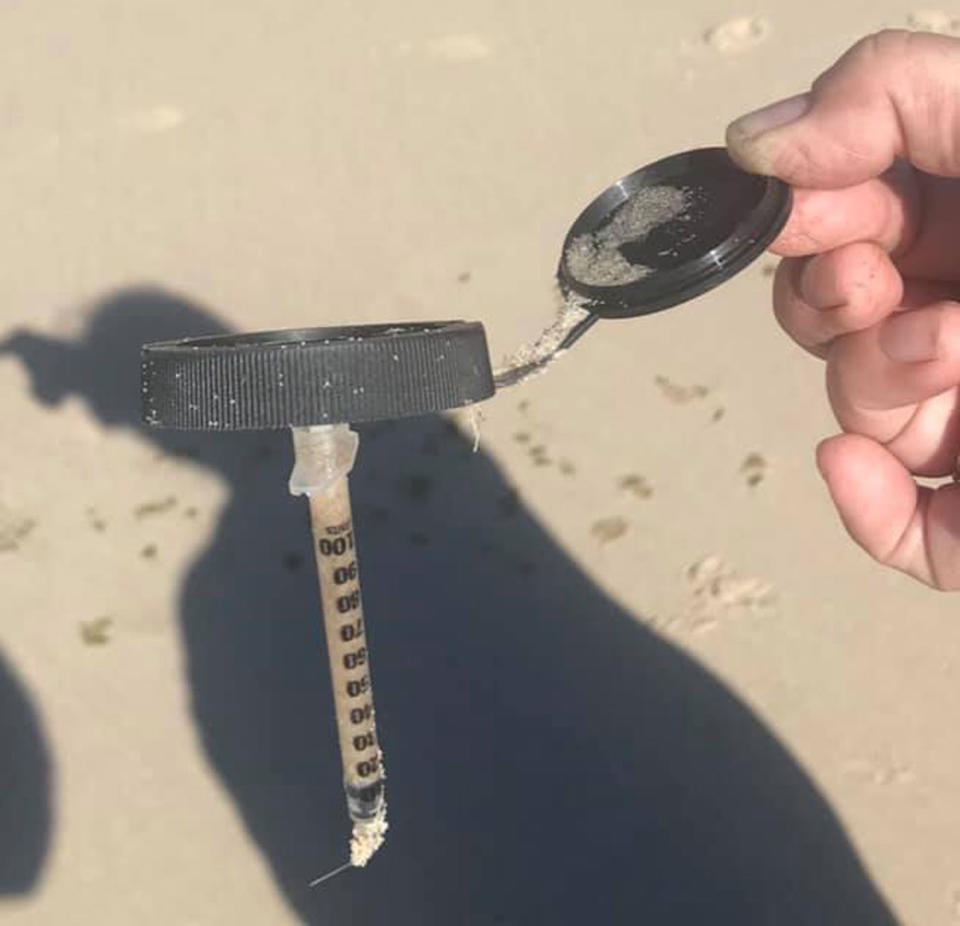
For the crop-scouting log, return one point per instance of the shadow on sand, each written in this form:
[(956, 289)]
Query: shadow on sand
[(550, 759), (25, 788)]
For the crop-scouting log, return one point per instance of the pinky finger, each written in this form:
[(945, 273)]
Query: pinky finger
[(913, 529)]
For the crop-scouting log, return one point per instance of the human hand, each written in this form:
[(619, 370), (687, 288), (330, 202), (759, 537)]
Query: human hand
[(871, 279)]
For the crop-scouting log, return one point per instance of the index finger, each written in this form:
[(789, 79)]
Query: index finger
[(884, 211), (911, 215)]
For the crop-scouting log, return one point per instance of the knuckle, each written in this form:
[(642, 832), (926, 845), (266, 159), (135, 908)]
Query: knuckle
[(868, 60), (797, 158), (882, 46)]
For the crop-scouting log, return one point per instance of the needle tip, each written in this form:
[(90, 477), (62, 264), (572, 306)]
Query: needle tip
[(330, 874)]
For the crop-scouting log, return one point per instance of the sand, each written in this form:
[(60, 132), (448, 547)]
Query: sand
[(780, 724), (538, 355), (595, 258)]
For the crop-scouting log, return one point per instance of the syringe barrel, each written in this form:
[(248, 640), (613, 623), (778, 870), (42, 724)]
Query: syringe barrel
[(335, 547), (324, 459)]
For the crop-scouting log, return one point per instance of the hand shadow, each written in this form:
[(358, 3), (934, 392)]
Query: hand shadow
[(25, 786), (550, 759)]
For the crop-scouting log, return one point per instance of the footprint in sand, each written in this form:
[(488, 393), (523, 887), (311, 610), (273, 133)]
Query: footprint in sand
[(637, 485), (739, 34), (680, 395), (878, 772), (754, 469), (719, 592), (717, 584), (933, 21), (13, 529), (96, 632), (606, 530)]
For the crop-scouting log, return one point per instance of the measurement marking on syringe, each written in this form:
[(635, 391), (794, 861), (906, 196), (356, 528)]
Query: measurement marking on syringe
[(349, 652)]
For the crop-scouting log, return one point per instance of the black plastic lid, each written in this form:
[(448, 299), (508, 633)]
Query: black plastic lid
[(314, 376), (728, 219)]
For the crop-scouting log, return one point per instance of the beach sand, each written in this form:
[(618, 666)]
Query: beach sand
[(627, 664)]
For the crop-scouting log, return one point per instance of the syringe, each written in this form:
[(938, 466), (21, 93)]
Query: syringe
[(324, 458)]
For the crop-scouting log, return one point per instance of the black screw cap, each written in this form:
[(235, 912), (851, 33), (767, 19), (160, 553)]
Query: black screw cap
[(314, 376)]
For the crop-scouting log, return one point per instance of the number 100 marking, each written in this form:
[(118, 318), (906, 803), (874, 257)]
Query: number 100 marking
[(338, 546)]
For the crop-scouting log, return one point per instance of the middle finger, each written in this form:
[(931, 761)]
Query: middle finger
[(846, 290)]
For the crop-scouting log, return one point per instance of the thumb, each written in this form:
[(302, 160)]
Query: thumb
[(894, 95)]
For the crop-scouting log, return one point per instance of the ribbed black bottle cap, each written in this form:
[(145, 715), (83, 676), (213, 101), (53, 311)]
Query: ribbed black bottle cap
[(314, 376)]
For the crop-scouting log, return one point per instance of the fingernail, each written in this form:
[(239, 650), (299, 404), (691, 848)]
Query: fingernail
[(911, 337), (774, 116)]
